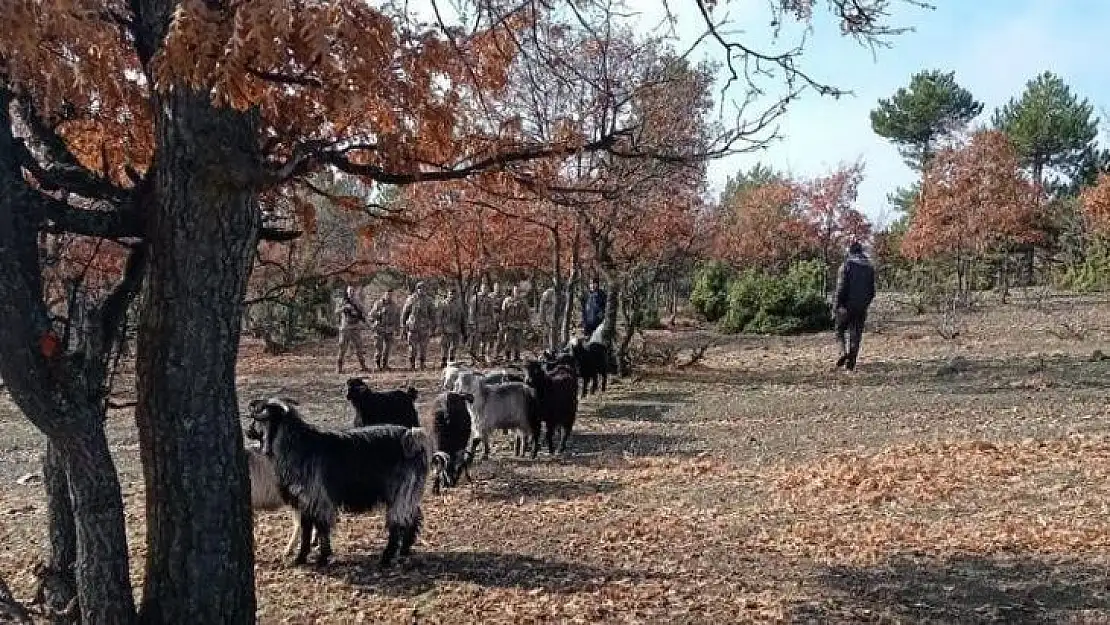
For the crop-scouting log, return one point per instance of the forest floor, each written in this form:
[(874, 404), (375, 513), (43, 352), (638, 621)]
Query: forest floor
[(959, 480)]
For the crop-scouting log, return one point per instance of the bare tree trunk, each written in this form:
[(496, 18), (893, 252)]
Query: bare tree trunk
[(59, 393), (202, 233), (58, 579), (572, 284)]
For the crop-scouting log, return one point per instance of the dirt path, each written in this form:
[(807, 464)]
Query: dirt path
[(947, 481)]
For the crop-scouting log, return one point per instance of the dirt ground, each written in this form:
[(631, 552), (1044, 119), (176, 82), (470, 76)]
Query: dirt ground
[(960, 480)]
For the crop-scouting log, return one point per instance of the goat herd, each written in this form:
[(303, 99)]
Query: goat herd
[(383, 460)]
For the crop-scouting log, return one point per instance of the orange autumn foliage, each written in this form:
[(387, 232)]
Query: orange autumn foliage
[(975, 199), (1095, 202)]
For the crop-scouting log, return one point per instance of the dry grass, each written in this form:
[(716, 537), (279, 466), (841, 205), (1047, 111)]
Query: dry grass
[(757, 486)]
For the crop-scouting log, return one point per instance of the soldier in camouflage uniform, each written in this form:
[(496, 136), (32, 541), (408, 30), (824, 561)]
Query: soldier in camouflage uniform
[(496, 301), (384, 321), (483, 325), (515, 318), (418, 320), (350, 329), (452, 324), (549, 316)]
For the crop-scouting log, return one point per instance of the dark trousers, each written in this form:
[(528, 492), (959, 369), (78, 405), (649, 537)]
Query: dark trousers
[(849, 335)]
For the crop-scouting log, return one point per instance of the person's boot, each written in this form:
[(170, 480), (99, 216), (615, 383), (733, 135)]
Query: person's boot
[(840, 362), (339, 367), (378, 362)]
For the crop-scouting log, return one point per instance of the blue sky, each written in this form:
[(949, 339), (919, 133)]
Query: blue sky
[(994, 46)]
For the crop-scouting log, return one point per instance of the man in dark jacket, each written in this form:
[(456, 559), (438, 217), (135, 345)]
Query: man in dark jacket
[(593, 309), (855, 289)]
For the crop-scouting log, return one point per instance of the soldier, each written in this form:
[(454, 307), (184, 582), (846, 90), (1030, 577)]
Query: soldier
[(515, 317), (496, 301), (350, 329), (549, 315), (418, 320), (384, 320), (482, 324), (452, 323), (593, 309)]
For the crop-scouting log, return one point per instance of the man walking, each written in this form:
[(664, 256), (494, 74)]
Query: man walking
[(593, 309), (452, 325), (384, 321), (855, 289), (515, 316), (418, 318), (350, 329), (549, 316)]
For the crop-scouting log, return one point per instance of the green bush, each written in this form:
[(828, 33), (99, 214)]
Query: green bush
[(761, 303), (1093, 273), (710, 294)]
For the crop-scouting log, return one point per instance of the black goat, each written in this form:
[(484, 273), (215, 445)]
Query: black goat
[(592, 360), (396, 407), (451, 427), (556, 401), (322, 471)]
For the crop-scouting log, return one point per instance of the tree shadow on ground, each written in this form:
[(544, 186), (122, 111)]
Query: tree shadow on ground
[(631, 444), (967, 376), (519, 486), (644, 406), (486, 569), (965, 589)]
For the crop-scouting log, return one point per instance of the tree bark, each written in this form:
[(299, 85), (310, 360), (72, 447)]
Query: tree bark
[(572, 283), (58, 580), (61, 394), (201, 234)]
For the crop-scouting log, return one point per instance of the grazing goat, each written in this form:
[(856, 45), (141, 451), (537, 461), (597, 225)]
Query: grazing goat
[(556, 401), (451, 375), (592, 361), (450, 425), (322, 471), (396, 407), (508, 406)]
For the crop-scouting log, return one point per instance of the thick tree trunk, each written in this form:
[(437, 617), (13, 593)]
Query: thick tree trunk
[(201, 234), (58, 580), (101, 567)]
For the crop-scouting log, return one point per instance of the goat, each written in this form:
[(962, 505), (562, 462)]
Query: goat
[(396, 407), (450, 425), (592, 360), (508, 406), (266, 493), (451, 375), (556, 401), (501, 376), (321, 471)]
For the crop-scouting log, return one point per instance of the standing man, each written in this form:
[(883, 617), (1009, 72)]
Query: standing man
[(384, 320), (483, 324), (496, 304), (452, 325), (418, 319), (855, 288), (593, 309), (351, 318), (515, 316), (549, 315)]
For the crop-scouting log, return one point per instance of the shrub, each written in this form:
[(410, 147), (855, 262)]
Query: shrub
[(1092, 274), (761, 303), (710, 294)]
